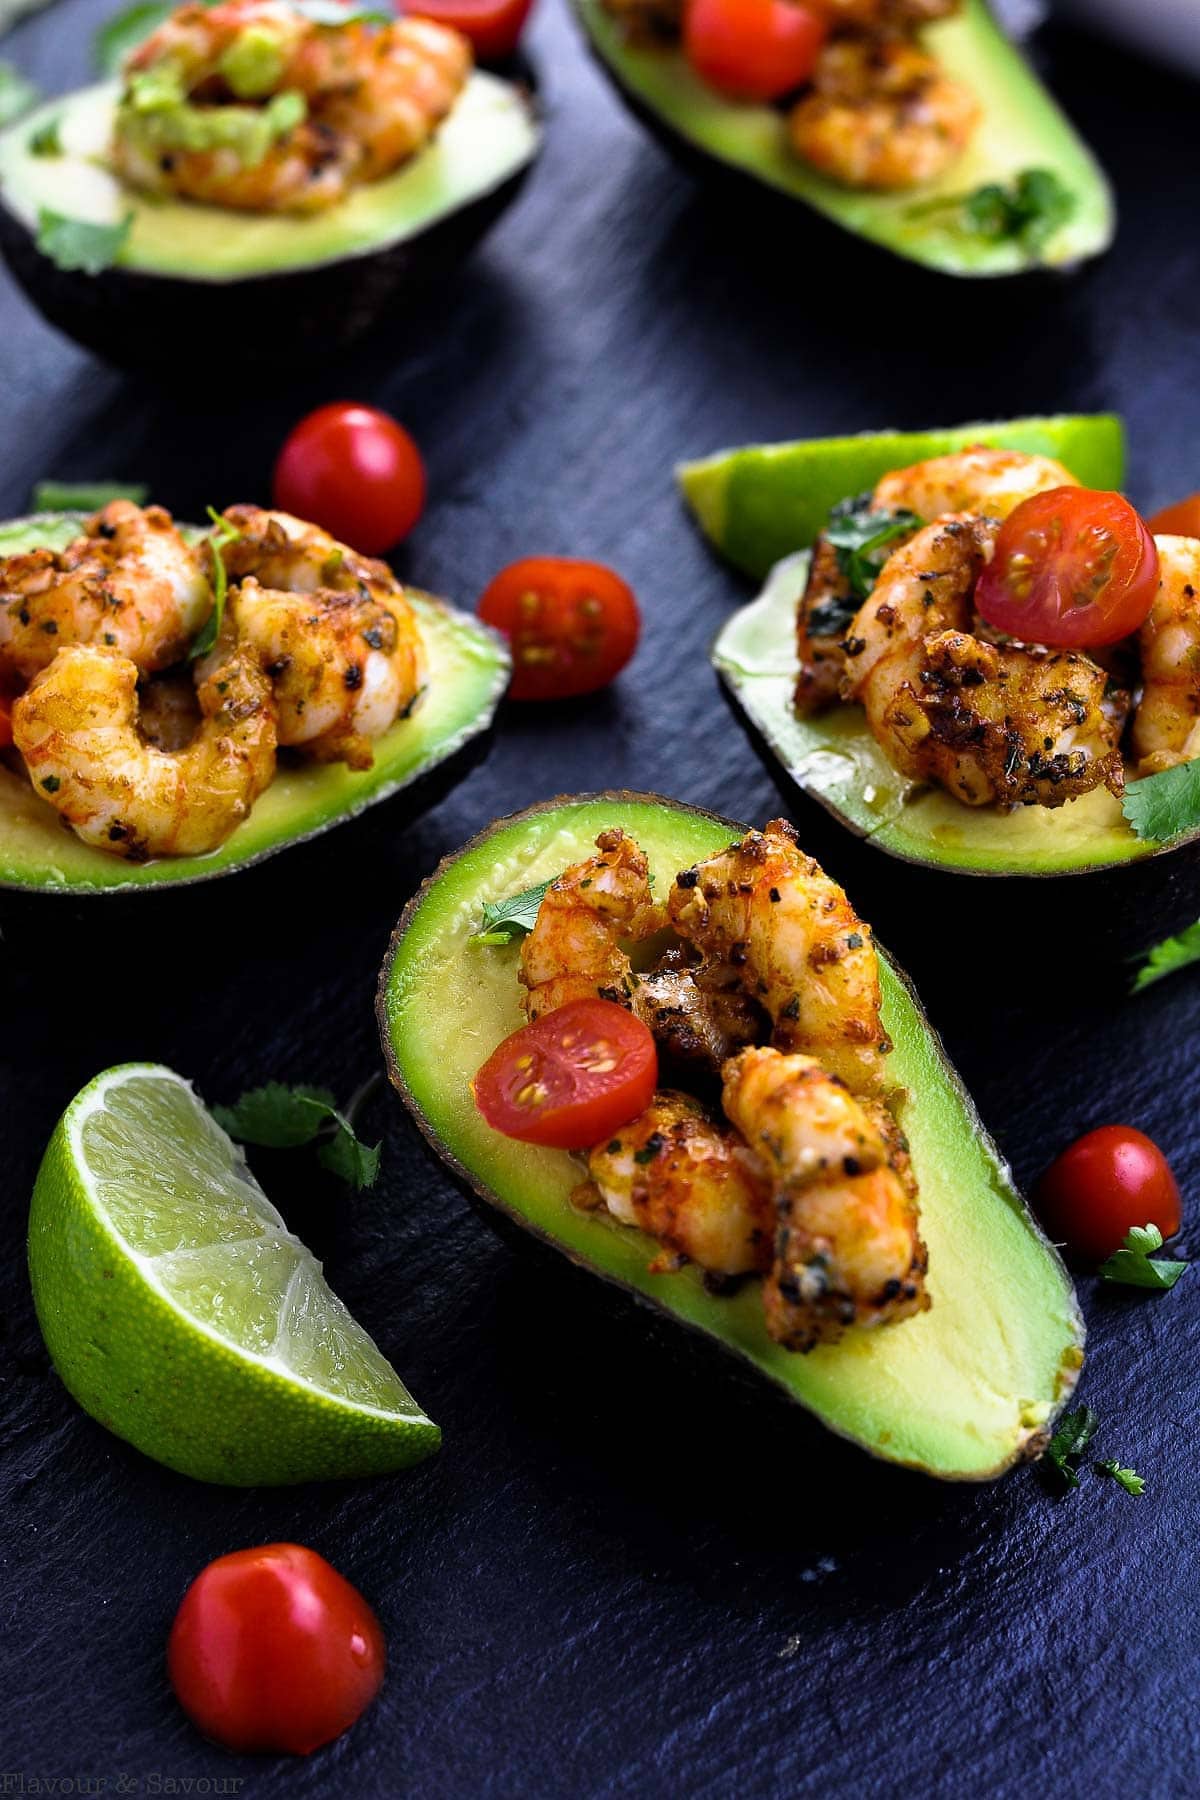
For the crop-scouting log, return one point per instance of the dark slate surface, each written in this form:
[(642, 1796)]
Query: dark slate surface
[(622, 1575)]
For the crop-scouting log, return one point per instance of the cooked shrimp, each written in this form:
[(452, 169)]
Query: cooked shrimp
[(576, 948), (870, 15), (407, 78), (989, 723), (76, 726), (281, 551), (697, 1011), (979, 479), (881, 114), (691, 1184), (847, 1249), (1166, 726), (129, 582), (768, 912)]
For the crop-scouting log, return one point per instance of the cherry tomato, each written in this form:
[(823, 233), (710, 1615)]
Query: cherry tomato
[(571, 1077), (493, 26), (1072, 567), (356, 472), (272, 1650), (752, 49), (573, 625), (1104, 1184), (1180, 520)]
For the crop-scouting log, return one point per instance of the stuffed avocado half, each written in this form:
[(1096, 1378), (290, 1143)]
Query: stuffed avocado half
[(1020, 129), (963, 1390), (467, 673)]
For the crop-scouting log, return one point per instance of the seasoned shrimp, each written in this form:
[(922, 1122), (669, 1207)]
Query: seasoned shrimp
[(881, 114), (691, 1184), (870, 15), (979, 479), (1166, 726), (847, 1248), (281, 551), (767, 911), (406, 79), (576, 948), (989, 723), (129, 582), (697, 1011), (76, 726)]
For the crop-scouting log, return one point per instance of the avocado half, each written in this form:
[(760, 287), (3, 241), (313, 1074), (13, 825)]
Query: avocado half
[(446, 734), (255, 287), (961, 1392), (1021, 129)]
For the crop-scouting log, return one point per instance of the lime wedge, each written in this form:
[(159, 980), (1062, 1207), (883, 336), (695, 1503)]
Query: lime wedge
[(181, 1312)]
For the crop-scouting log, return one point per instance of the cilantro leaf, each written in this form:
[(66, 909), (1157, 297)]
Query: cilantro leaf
[(84, 496), (1164, 806), (1029, 211), (17, 94), (45, 141), (347, 1156), (126, 30), (81, 243), (1071, 1440), (222, 533), (1129, 1479), (1135, 1266), (276, 1116), (863, 538), (506, 920), (1172, 954)]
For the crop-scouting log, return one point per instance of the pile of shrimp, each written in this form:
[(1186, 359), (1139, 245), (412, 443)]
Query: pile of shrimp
[(880, 112), (994, 723), (251, 105), (145, 755), (770, 988)]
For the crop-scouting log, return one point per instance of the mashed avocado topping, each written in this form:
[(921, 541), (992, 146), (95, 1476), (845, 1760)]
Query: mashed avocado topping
[(253, 64), (156, 114)]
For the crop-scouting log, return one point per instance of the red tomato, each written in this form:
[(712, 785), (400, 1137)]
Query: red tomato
[(356, 472), (1104, 1184), (752, 49), (493, 26), (573, 625), (272, 1650), (571, 1077), (1072, 568), (1180, 520)]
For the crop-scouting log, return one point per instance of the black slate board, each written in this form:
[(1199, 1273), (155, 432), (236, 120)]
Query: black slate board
[(622, 1575)]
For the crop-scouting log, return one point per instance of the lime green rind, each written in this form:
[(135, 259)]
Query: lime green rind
[(174, 1385), (759, 502), (468, 667), (488, 137), (963, 1391), (1021, 128), (834, 759)]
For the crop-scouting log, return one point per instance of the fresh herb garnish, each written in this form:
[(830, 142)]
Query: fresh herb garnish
[(281, 1118), (81, 243), (506, 920), (45, 141), (1028, 212), (1135, 1265), (221, 534), (84, 496), (1129, 1479), (1071, 1440), (17, 94), (1168, 957), (1163, 806), (862, 538)]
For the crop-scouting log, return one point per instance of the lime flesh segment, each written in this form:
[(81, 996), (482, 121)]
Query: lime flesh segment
[(181, 1312)]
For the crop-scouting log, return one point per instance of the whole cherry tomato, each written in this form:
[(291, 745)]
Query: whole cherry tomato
[(272, 1650), (571, 1077), (1072, 568), (493, 26), (573, 625), (355, 471), (1180, 520), (752, 49), (1104, 1184)]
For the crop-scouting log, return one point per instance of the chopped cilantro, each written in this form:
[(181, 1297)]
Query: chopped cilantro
[(221, 534), (280, 1117), (1135, 1265), (17, 95), (1129, 1479), (81, 243), (1028, 212), (84, 496), (1163, 806), (506, 920), (45, 141), (1071, 1440), (863, 538), (1172, 954)]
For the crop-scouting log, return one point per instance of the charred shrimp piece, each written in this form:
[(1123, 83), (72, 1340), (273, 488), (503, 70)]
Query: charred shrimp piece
[(827, 609), (1166, 726), (697, 1013), (847, 1250), (576, 949)]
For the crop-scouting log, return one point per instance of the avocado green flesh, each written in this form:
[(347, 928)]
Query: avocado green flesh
[(1021, 128), (467, 674), (486, 139), (963, 1390), (760, 502)]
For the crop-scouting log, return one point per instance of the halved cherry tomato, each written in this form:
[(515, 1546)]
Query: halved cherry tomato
[(493, 26), (272, 1649), (573, 625), (355, 471), (1072, 568), (752, 49), (1180, 520), (570, 1077), (1104, 1184)]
